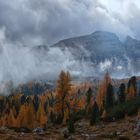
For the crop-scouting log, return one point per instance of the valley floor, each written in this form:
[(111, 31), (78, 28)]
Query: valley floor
[(119, 130)]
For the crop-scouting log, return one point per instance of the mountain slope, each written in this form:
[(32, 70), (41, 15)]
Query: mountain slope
[(133, 52), (97, 46), (105, 51)]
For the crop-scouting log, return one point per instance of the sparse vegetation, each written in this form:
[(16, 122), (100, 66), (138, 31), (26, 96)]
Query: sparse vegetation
[(130, 107), (68, 104)]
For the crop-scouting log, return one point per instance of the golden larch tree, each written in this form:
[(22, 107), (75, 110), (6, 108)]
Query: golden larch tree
[(102, 91), (41, 116), (131, 93), (11, 120), (63, 92), (22, 117)]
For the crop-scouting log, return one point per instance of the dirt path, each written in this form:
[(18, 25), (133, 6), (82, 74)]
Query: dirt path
[(119, 130)]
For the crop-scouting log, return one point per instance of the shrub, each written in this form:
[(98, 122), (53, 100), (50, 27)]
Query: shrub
[(71, 124), (130, 107), (94, 114), (80, 114)]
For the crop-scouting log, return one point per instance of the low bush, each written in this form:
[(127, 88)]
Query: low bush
[(129, 107)]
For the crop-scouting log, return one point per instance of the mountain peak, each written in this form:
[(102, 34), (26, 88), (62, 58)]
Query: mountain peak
[(102, 32), (104, 50), (129, 38), (105, 35)]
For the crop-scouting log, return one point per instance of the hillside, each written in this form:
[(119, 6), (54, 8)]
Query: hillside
[(119, 130), (105, 110), (105, 51)]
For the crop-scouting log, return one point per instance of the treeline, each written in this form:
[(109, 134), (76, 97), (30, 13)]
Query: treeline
[(108, 98), (30, 111), (65, 105)]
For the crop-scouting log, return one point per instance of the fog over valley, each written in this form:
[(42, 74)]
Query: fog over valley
[(39, 39), (22, 64)]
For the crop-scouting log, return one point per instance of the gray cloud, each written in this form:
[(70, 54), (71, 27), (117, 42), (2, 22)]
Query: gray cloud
[(34, 22), (19, 64)]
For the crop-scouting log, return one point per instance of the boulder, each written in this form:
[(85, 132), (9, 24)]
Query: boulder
[(39, 131)]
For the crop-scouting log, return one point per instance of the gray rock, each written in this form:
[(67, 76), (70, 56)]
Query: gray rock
[(101, 46), (22, 134), (118, 133), (39, 131), (138, 125), (65, 132), (4, 130)]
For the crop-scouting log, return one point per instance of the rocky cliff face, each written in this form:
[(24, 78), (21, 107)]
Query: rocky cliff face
[(97, 46), (133, 52), (104, 50)]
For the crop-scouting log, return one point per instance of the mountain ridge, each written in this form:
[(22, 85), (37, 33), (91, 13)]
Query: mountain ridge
[(103, 51), (100, 46)]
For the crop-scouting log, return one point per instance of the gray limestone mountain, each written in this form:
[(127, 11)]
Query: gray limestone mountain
[(101, 46), (133, 52), (105, 52), (97, 46)]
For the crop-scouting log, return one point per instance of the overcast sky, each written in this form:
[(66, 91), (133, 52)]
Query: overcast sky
[(34, 22)]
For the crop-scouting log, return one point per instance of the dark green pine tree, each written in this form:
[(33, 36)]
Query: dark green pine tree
[(109, 97), (139, 92), (89, 95), (132, 82), (36, 102), (94, 114), (88, 98), (71, 127), (122, 93)]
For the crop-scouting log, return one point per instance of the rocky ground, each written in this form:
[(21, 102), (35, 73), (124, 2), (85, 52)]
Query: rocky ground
[(117, 130)]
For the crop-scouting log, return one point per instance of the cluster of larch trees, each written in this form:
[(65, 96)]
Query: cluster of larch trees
[(61, 105), (21, 111), (106, 97)]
